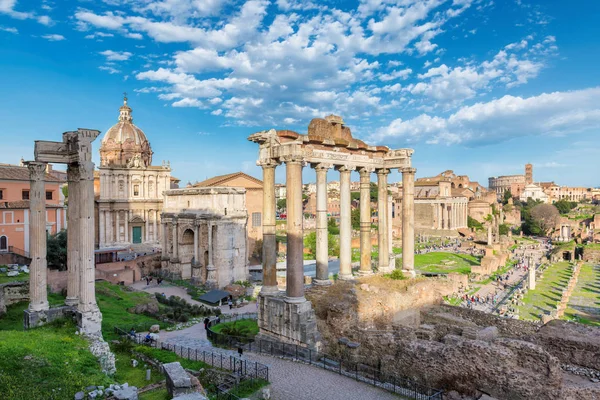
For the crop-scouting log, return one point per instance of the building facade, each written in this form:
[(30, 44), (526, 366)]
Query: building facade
[(569, 193), (204, 235), (535, 192), (513, 183), (130, 191), (14, 208)]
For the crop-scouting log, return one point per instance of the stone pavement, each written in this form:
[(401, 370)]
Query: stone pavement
[(289, 380)]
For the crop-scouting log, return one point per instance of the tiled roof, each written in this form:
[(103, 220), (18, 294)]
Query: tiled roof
[(16, 173), (217, 180)]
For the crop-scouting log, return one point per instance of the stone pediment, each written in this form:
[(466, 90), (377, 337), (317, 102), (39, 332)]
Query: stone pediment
[(137, 219)]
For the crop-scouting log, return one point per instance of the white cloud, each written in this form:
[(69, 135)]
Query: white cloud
[(96, 35), (9, 29), (557, 113), (116, 55), (109, 69), (8, 7), (54, 37), (398, 74)]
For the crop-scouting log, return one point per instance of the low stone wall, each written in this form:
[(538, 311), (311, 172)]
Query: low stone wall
[(11, 293), (12, 258), (590, 255)]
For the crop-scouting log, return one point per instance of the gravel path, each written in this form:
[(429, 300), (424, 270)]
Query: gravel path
[(289, 380)]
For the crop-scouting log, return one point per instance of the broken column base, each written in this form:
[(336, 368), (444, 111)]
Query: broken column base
[(89, 322), (287, 322), (33, 319), (409, 273)]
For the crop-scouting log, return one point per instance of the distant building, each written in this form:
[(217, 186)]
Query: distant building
[(513, 183), (569, 193), (14, 208), (535, 192)]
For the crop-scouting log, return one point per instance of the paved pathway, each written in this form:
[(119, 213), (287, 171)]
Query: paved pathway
[(289, 380)]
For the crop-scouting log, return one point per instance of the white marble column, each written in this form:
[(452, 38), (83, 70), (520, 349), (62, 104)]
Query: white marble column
[(73, 261), (127, 218), (269, 250), (118, 227), (175, 256), (322, 273), (87, 273), (365, 222), (295, 240), (345, 224), (408, 219), (108, 227), (196, 233), (38, 269), (154, 227), (382, 218), (390, 225), (211, 271), (147, 225), (445, 222)]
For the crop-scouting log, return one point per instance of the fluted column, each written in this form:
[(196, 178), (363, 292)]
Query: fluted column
[(147, 225), (322, 275), (38, 297), (73, 181), (408, 219), (269, 250), (127, 218), (445, 224), (101, 229), (108, 226), (365, 222), (154, 227), (382, 219), (175, 256), (87, 273), (345, 224), (295, 245), (118, 227)]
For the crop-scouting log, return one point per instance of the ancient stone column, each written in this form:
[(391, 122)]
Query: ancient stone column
[(365, 222), (175, 257), (127, 218), (531, 271), (101, 229), (147, 225), (38, 269), (382, 236), (345, 224), (269, 250), (408, 219), (196, 232), (211, 271), (445, 224), (489, 235), (390, 222), (73, 181), (165, 243), (155, 227), (118, 227), (322, 275), (89, 316), (295, 240)]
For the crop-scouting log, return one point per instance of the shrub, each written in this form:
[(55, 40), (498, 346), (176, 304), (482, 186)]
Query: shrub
[(474, 224), (396, 275), (398, 263)]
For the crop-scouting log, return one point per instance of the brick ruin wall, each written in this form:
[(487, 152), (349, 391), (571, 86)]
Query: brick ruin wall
[(11, 293)]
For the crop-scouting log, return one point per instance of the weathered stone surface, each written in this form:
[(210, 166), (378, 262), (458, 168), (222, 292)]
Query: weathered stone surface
[(147, 308), (126, 393), (155, 328), (79, 396), (13, 273), (488, 334), (191, 396), (178, 381)]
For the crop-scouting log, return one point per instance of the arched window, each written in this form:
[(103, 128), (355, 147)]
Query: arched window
[(3, 243), (188, 237)]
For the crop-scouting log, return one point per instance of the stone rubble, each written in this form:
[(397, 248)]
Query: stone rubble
[(593, 374)]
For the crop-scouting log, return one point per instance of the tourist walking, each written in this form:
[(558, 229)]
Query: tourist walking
[(230, 304), (206, 322)]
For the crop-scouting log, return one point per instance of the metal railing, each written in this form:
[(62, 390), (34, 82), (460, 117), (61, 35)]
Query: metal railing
[(361, 372), (246, 369)]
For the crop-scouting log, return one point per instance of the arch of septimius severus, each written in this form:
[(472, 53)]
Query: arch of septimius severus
[(328, 144), (76, 151)]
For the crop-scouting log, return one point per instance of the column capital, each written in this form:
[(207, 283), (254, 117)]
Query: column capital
[(382, 171), (345, 168), (408, 170), (292, 159), (37, 170), (270, 163), (365, 170), (322, 166)]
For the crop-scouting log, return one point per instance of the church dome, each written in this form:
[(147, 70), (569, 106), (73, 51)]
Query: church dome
[(124, 144)]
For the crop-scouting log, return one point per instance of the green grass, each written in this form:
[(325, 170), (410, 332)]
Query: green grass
[(584, 304), (13, 319), (247, 388), (135, 376), (20, 278), (156, 394), (250, 324), (166, 356), (47, 363), (114, 301), (434, 262), (592, 246), (547, 292)]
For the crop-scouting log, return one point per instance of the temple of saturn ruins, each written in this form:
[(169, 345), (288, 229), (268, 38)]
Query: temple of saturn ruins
[(329, 144), (75, 151)]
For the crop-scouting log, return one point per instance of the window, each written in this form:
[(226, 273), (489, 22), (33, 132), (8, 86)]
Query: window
[(48, 195), (1, 194), (256, 219), (136, 190), (25, 195)]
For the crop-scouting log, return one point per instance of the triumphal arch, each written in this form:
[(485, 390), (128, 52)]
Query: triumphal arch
[(327, 145)]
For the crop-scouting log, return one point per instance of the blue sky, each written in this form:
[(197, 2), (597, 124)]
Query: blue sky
[(477, 86)]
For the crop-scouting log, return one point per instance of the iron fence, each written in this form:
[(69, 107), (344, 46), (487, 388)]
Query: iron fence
[(375, 376)]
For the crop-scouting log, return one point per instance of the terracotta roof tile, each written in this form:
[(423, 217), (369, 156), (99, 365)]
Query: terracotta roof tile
[(217, 180), (16, 173)]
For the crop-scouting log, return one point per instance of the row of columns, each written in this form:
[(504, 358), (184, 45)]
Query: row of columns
[(80, 238), (451, 215), (110, 224), (295, 242)]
